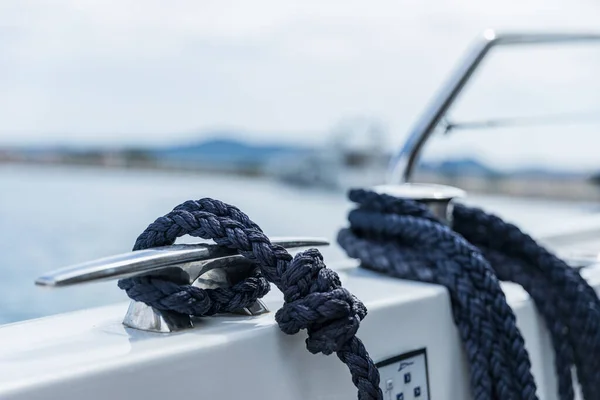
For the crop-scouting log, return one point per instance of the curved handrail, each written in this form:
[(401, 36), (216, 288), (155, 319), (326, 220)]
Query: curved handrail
[(403, 163)]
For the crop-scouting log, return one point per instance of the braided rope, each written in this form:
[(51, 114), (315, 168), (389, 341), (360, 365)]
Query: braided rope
[(545, 298), (402, 238), (314, 297), (569, 305)]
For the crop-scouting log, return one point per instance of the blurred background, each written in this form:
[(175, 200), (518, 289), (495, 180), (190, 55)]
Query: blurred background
[(114, 112)]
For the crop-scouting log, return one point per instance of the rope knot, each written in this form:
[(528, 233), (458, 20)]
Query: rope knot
[(314, 297), (315, 301)]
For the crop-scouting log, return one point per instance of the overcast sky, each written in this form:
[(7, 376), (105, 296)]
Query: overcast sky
[(119, 71)]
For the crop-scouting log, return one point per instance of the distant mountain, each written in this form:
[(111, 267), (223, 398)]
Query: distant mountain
[(459, 166), (473, 167), (227, 151), (545, 173)]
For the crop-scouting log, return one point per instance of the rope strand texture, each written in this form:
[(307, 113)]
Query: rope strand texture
[(402, 238), (569, 305), (314, 297)]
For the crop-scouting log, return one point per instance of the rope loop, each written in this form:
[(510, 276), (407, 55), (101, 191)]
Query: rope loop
[(568, 304), (403, 238), (314, 297)]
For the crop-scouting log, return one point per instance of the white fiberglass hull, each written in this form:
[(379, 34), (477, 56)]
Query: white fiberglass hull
[(90, 354)]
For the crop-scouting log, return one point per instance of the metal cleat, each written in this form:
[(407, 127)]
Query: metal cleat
[(438, 198), (203, 265)]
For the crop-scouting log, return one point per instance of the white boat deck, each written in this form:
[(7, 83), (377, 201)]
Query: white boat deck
[(90, 354)]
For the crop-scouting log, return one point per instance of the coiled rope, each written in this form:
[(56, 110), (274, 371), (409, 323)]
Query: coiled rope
[(314, 297), (568, 304), (402, 238)]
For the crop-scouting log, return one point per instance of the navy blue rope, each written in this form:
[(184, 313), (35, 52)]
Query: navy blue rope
[(569, 305), (314, 297), (402, 238)]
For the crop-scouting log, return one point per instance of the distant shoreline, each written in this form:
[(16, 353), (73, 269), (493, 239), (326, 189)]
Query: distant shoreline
[(557, 189), (138, 167)]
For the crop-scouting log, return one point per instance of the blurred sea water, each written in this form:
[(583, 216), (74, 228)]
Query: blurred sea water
[(51, 217), (54, 217)]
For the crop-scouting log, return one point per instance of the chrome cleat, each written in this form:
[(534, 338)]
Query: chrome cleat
[(203, 265), (438, 198)]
